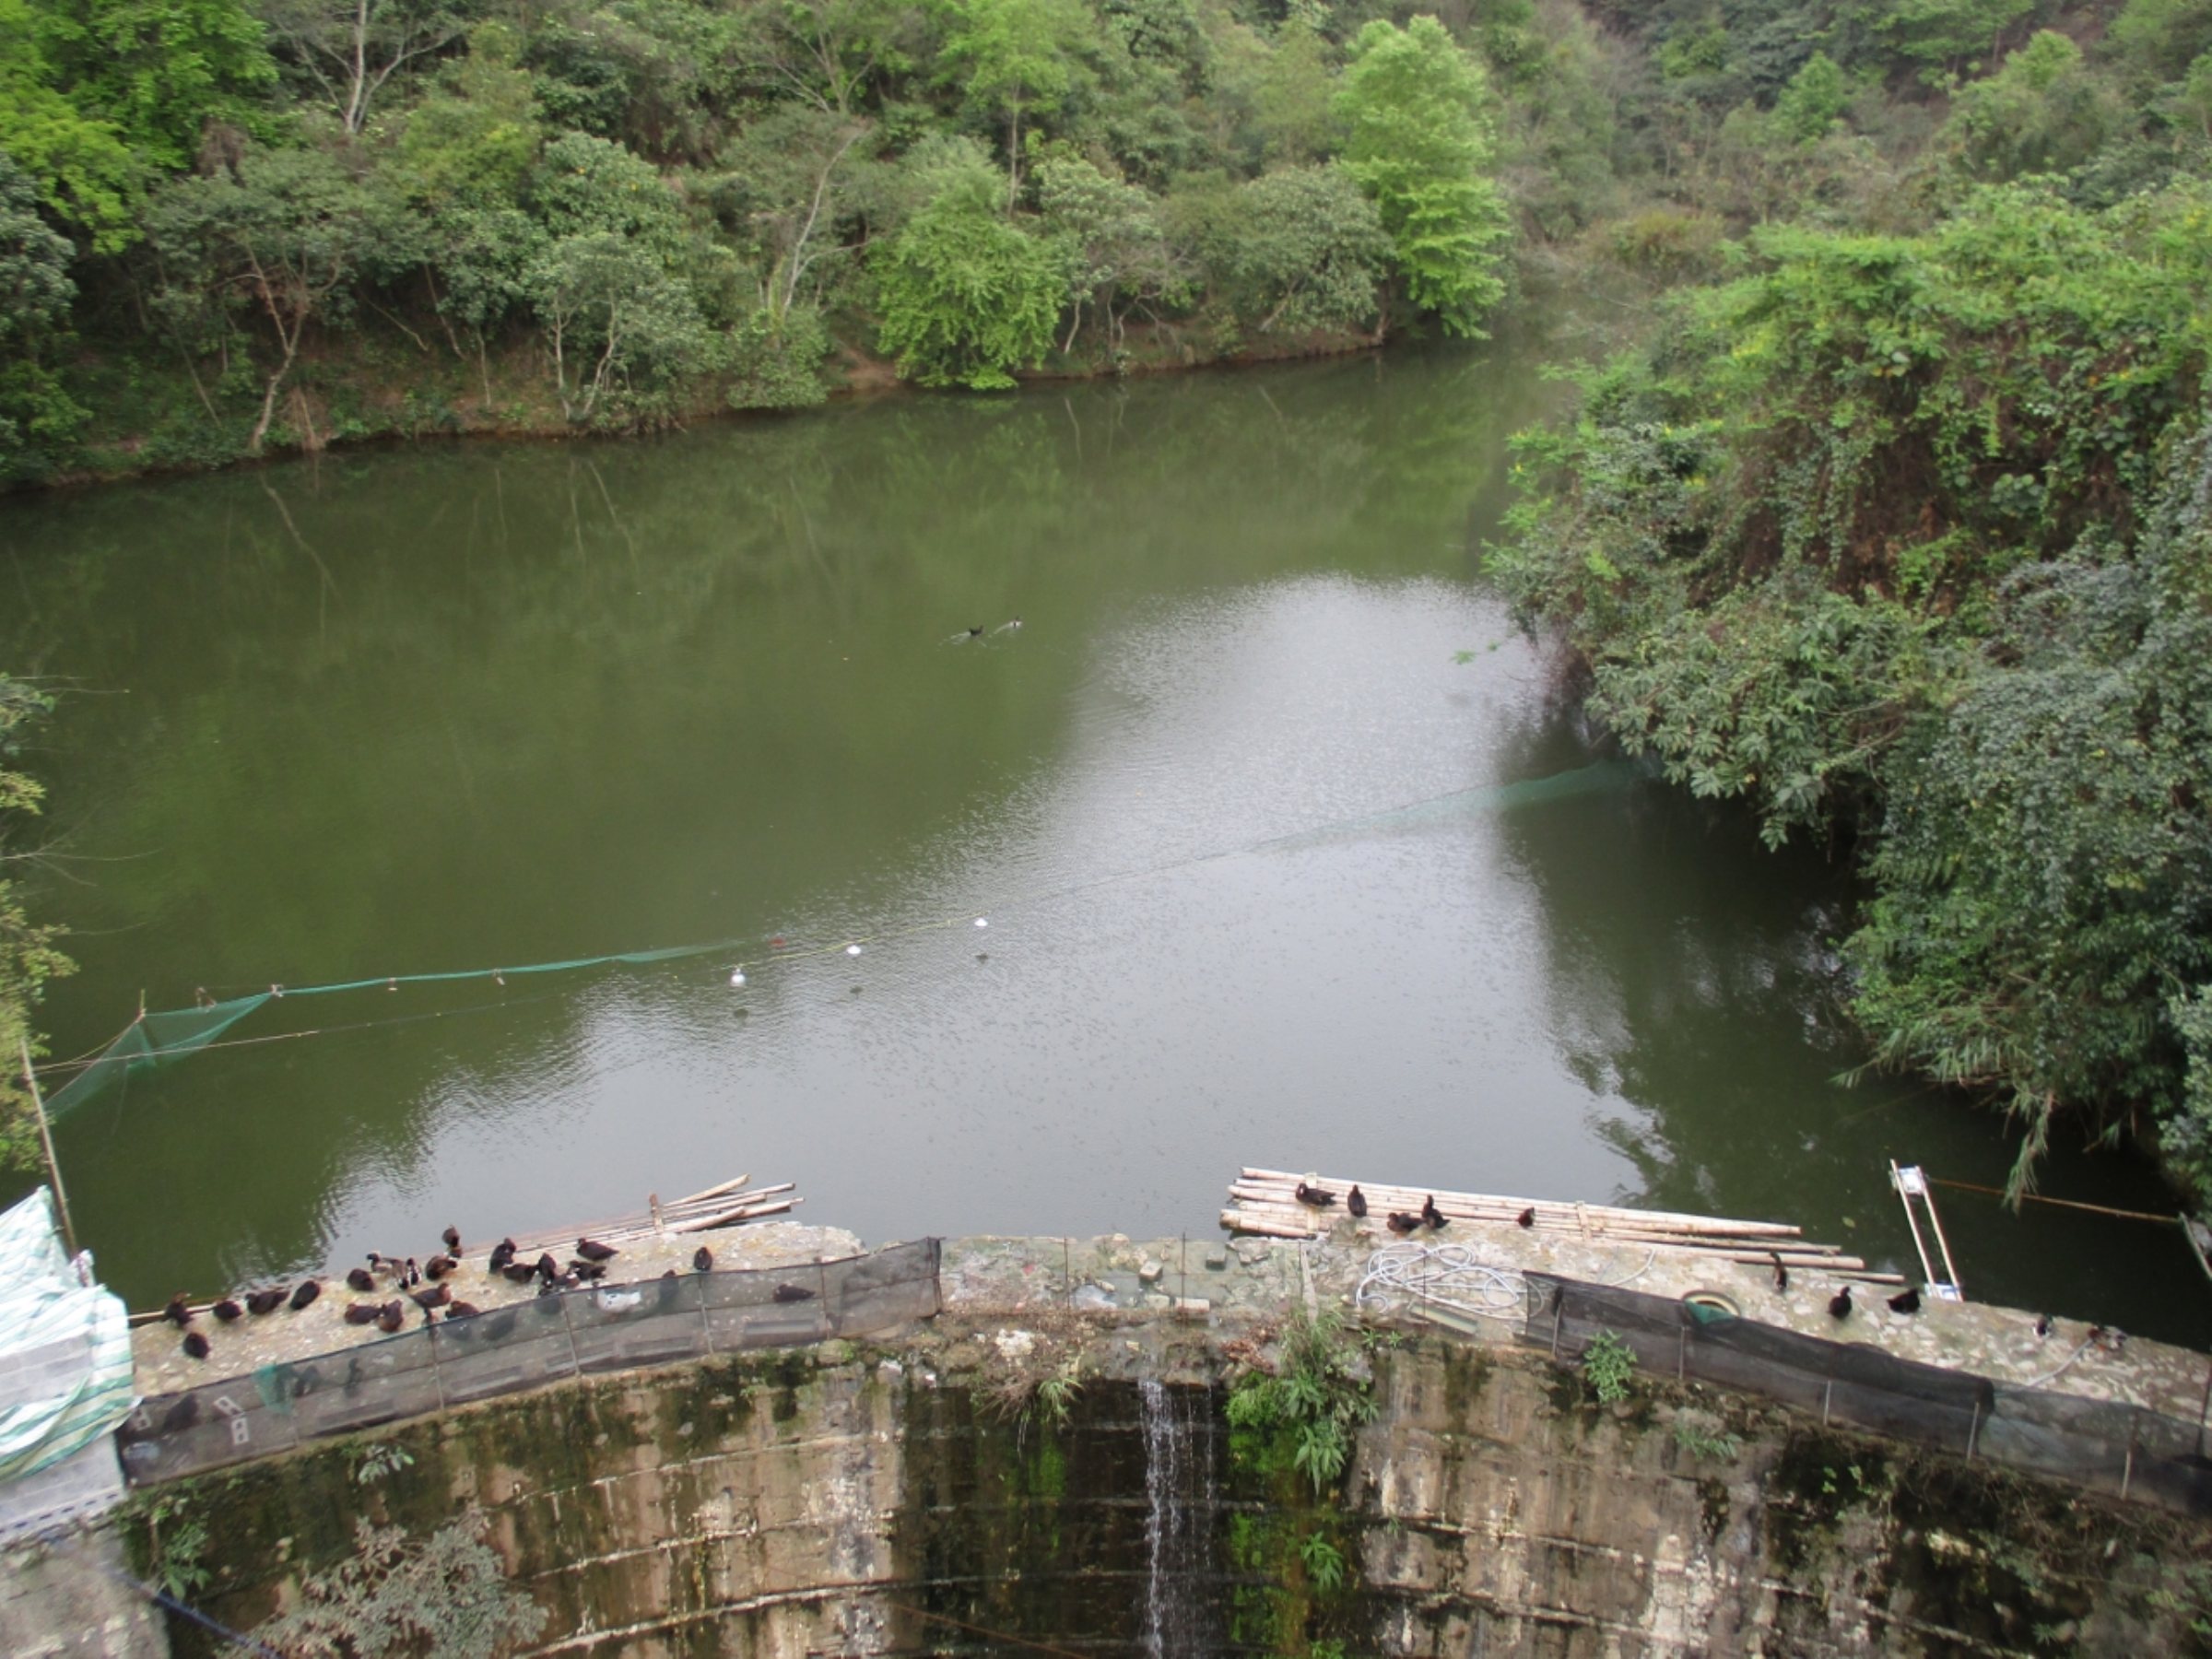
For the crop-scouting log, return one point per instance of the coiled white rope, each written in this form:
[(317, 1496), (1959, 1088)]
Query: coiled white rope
[(1449, 1276)]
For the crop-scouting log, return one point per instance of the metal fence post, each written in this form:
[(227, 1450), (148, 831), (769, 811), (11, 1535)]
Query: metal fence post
[(575, 1361), (2204, 1412), (1068, 1272), (1973, 1429), (821, 1293), (437, 1376), (706, 1326), (1828, 1394), (1681, 1352), (2127, 1470)]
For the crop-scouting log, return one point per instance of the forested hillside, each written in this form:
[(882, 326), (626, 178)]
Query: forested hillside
[(233, 226), (1888, 516), (1899, 529)]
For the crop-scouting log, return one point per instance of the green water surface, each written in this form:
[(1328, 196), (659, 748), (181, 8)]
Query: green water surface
[(1292, 852)]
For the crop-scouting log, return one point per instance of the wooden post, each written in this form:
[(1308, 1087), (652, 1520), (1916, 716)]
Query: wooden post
[(53, 1168)]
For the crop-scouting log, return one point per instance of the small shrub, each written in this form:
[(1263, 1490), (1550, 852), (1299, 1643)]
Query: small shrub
[(1608, 1363), (1324, 1562), (1705, 1440)]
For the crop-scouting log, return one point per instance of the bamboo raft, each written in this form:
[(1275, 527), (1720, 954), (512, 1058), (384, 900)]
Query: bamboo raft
[(726, 1203), (1264, 1202)]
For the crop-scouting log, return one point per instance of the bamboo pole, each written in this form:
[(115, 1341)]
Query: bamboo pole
[(1399, 1194), (1594, 1222), (713, 1192), (1318, 1221), (54, 1167), (2095, 1210)]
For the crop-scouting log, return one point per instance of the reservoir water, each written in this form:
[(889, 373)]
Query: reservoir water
[(1291, 851)]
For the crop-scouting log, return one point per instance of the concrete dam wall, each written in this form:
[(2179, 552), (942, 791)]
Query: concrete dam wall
[(989, 1485)]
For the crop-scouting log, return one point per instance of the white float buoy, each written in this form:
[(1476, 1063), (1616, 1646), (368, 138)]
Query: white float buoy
[(852, 950), (982, 922), (737, 976)]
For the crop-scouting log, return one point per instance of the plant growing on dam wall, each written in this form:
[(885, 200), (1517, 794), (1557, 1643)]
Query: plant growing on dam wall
[(443, 1596), (1295, 1426), (1312, 1404)]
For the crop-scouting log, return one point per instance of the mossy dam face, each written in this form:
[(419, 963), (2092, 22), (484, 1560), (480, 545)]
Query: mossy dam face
[(1043, 1480)]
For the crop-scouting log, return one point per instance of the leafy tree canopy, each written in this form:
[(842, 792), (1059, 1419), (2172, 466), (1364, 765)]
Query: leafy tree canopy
[(1416, 109)]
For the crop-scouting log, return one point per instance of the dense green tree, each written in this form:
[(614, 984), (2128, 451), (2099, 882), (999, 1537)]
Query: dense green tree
[(1295, 250), (1813, 103), (38, 418), (475, 139), (2044, 861), (80, 164), (159, 70), (2159, 39), (965, 295), (1113, 252), (1417, 111), (2043, 112), (825, 53), (28, 957), (283, 236), (617, 328), (350, 49), (1015, 59), (1952, 34), (1294, 99)]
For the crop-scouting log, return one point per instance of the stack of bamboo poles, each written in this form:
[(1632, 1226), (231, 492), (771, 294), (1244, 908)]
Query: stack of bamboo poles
[(1265, 1202), (725, 1204)]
